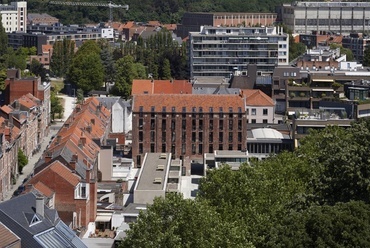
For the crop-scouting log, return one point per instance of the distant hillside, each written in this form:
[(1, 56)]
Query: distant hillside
[(166, 11)]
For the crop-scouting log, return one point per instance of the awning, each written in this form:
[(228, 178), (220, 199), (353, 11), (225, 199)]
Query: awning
[(323, 80), (323, 89), (103, 218)]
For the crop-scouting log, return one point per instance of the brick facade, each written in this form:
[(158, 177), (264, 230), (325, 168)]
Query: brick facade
[(185, 128)]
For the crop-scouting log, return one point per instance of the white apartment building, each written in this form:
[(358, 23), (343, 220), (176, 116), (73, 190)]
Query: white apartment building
[(337, 17), (220, 51), (14, 16)]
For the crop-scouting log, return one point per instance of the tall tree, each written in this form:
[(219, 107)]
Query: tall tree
[(108, 63), (86, 72), (166, 69), (63, 52), (366, 61), (178, 222), (126, 72), (38, 69), (3, 40)]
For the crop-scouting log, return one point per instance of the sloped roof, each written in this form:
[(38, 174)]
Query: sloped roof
[(257, 98), (188, 101), (42, 188), (6, 109), (65, 173), (50, 231), (147, 86), (7, 236)]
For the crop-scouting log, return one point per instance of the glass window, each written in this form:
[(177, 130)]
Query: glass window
[(254, 111)]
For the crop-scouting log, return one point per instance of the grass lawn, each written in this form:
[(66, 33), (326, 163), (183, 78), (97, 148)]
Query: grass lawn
[(57, 84)]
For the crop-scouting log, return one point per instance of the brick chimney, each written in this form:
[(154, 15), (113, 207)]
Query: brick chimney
[(88, 175), (73, 162), (93, 121), (48, 156)]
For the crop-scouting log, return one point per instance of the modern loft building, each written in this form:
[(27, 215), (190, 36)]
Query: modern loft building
[(357, 43), (220, 51), (14, 16), (337, 17), (187, 125)]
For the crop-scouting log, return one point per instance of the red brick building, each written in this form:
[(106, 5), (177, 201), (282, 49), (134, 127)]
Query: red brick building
[(70, 164), (145, 86), (187, 125)]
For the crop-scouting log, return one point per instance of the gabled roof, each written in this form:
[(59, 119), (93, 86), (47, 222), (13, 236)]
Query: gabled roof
[(49, 231), (65, 173), (26, 102), (257, 98), (42, 188), (7, 109), (147, 86), (8, 238)]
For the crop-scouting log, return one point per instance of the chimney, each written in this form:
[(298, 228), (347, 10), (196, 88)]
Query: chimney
[(82, 142), (89, 128), (73, 162), (78, 108), (48, 156), (59, 139), (40, 205), (93, 121), (88, 176)]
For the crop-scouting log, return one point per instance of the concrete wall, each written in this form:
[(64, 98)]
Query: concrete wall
[(105, 163), (147, 196)]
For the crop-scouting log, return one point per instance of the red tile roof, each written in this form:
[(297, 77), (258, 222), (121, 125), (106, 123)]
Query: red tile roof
[(146, 86), (65, 173), (170, 27), (257, 98), (6, 109), (45, 190), (158, 101), (8, 238)]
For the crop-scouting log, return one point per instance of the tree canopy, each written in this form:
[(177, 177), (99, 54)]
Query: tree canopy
[(315, 196)]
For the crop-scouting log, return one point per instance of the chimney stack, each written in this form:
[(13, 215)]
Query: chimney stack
[(73, 162), (48, 156), (88, 176), (40, 205)]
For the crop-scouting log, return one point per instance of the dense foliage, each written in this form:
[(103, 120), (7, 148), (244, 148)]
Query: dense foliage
[(22, 160), (166, 11), (316, 196)]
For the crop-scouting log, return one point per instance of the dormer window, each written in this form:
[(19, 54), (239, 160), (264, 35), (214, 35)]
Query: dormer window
[(35, 220), (82, 191)]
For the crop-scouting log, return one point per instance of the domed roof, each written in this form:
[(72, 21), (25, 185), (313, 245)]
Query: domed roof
[(266, 133)]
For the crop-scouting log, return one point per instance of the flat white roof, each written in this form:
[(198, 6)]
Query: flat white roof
[(266, 133)]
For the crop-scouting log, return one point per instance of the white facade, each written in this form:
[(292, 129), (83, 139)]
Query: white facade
[(339, 17), (260, 114), (14, 17), (107, 33), (220, 51), (121, 117)]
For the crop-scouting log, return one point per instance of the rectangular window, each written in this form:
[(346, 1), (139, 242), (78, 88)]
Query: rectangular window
[(193, 149), (211, 137), (140, 147), (164, 125), (265, 111), (152, 110), (220, 147), (230, 112), (163, 137), (152, 124), (183, 124), (141, 124), (83, 191), (183, 136), (211, 113), (253, 120), (193, 136), (183, 148), (210, 124), (173, 124), (221, 137), (152, 147), (264, 121), (193, 124), (230, 147), (210, 148), (200, 126), (141, 136), (254, 111), (240, 114), (230, 137), (200, 136), (230, 124), (163, 147), (183, 112), (200, 112), (152, 136), (200, 148), (239, 136), (240, 124), (221, 125), (141, 108), (248, 111), (194, 109)]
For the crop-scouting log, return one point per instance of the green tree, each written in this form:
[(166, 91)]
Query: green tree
[(126, 72), (38, 69), (80, 96), (346, 51), (3, 40), (366, 61), (3, 77), (56, 106), (86, 72), (166, 69), (178, 222), (22, 160), (340, 159), (63, 52), (108, 63), (341, 225)]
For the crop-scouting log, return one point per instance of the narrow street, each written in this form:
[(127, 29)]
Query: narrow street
[(54, 128)]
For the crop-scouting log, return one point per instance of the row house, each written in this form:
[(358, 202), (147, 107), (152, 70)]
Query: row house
[(10, 137), (69, 166), (16, 87), (187, 125)]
